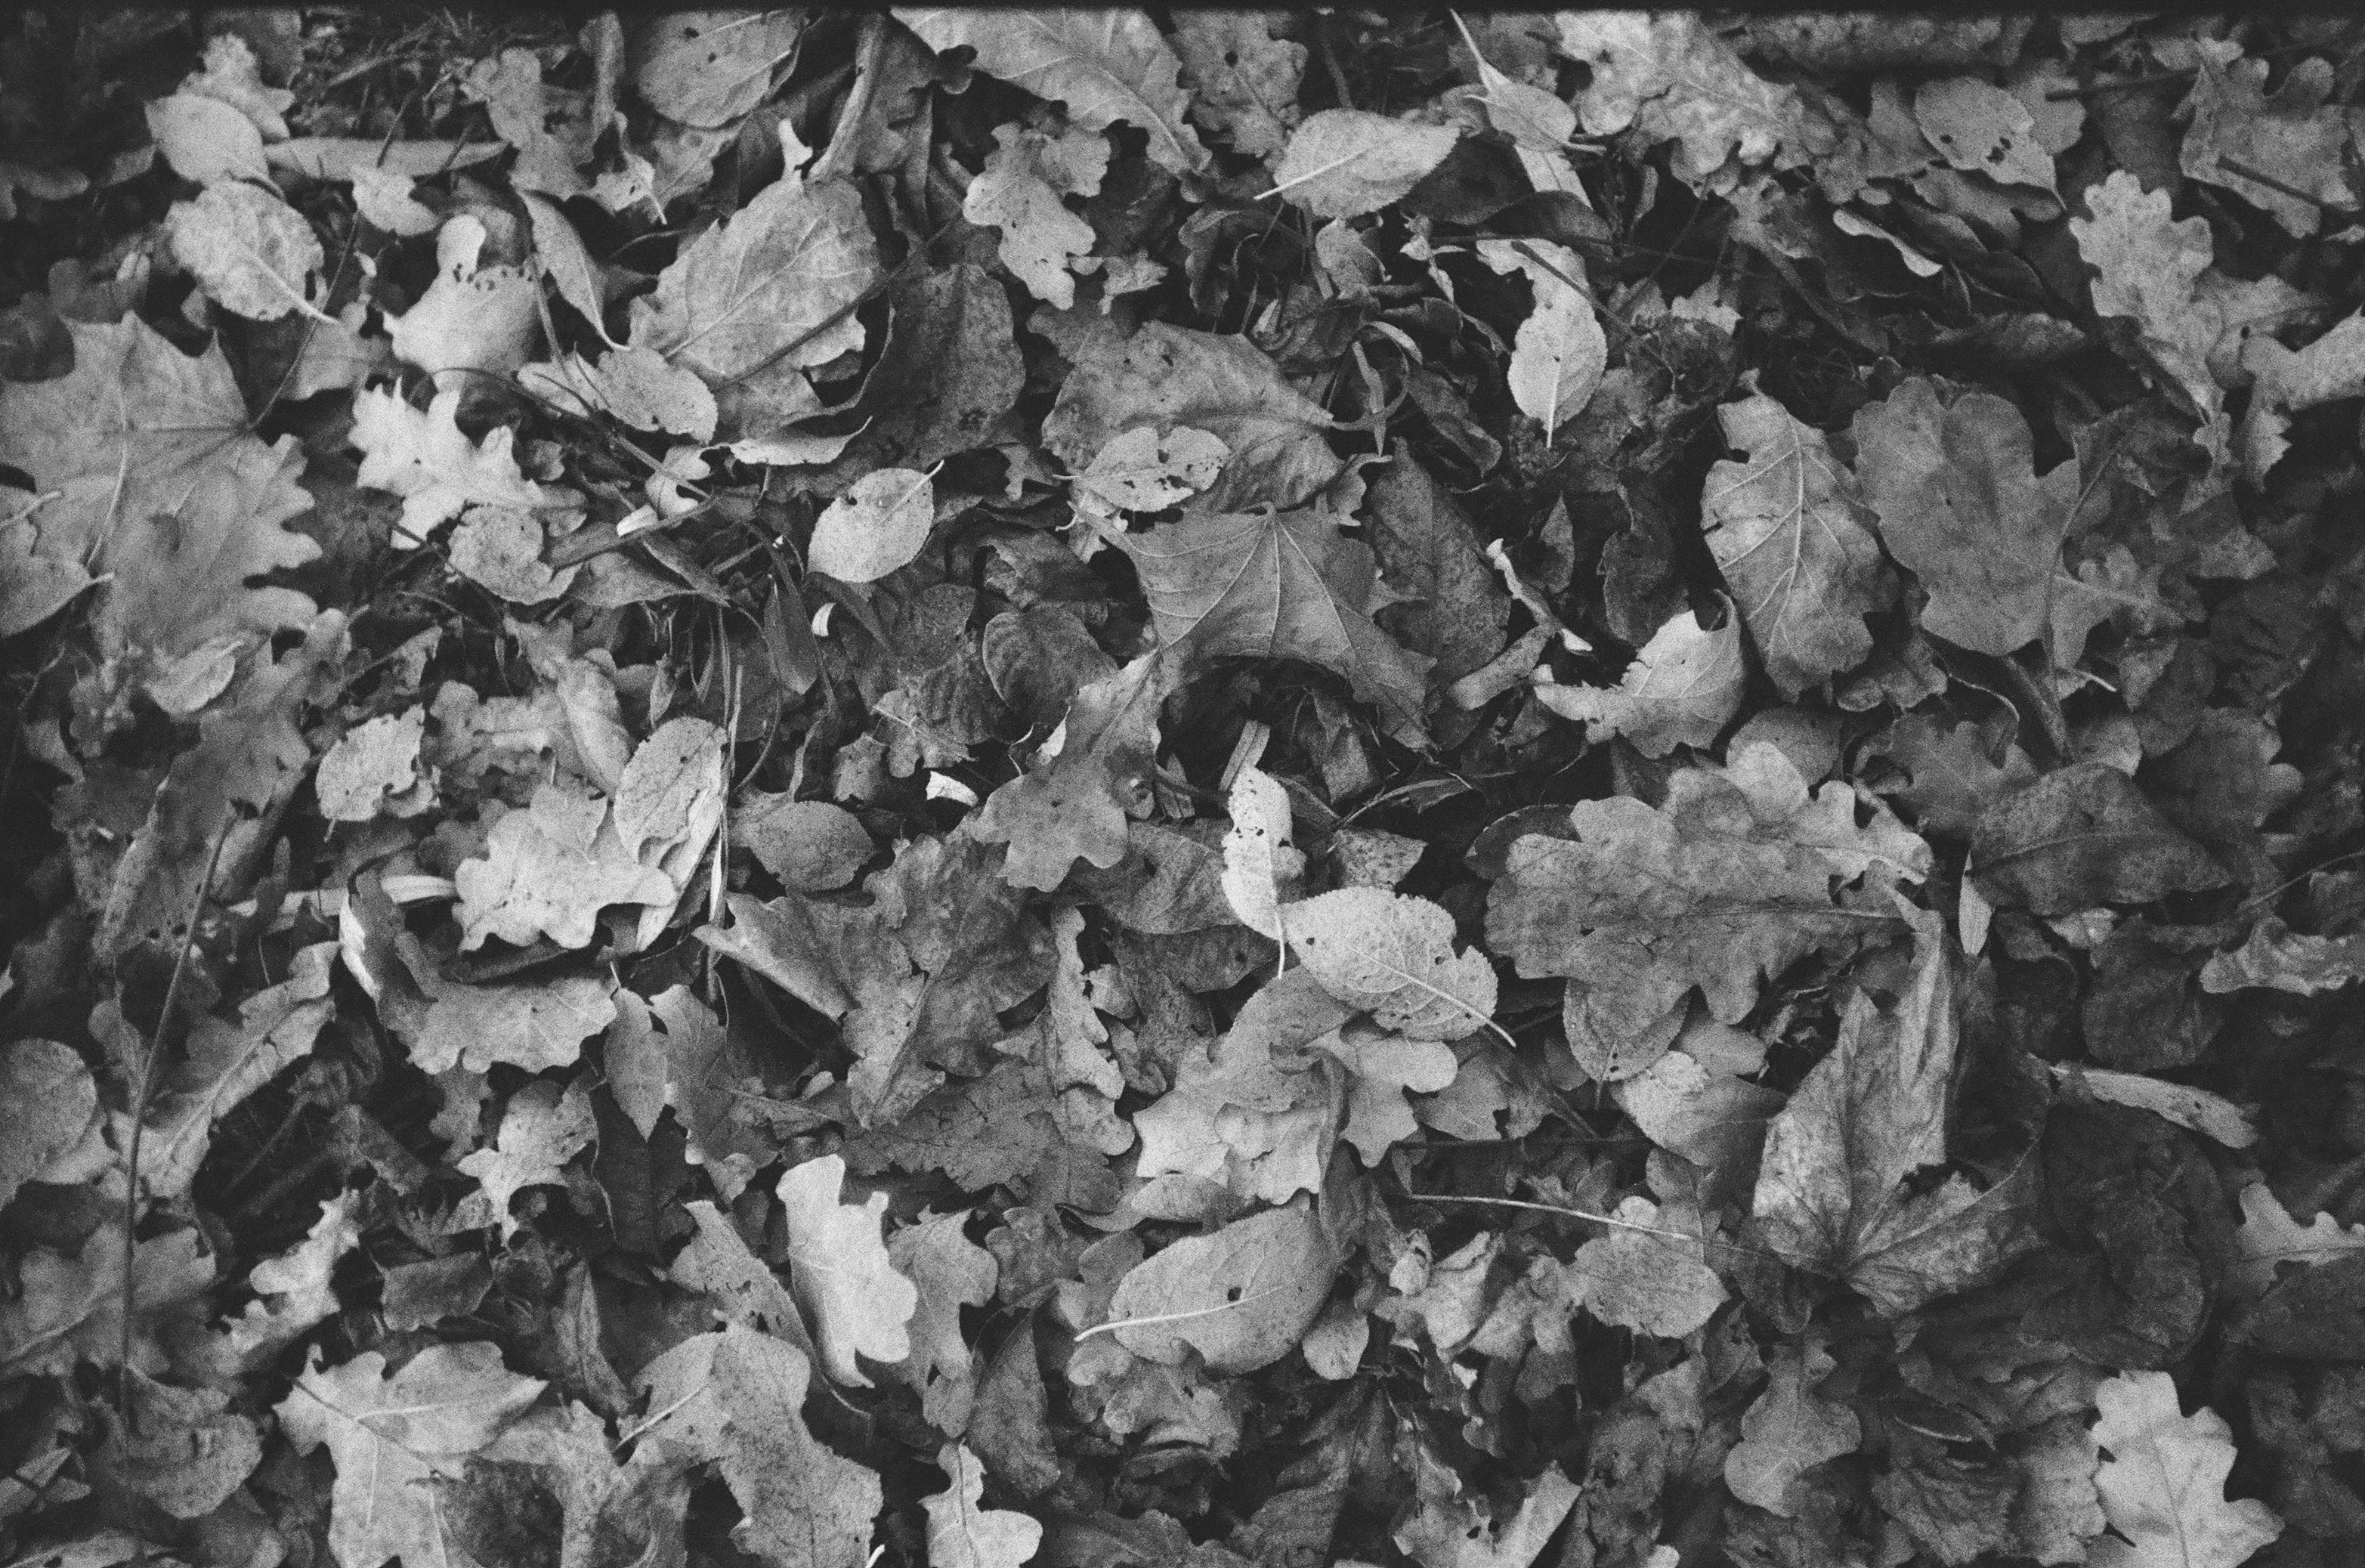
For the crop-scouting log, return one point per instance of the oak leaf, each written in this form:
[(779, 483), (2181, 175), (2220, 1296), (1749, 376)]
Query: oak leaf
[(390, 1435), (2295, 136), (1019, 192), (549, 871), (543, 1128), (1244, 80), (437, 471), (961, 1534), (949, 1272), (1787, 1431), (1684, 687), (840, 1273), (2163, 1484), (476, 316), (1668, 77)]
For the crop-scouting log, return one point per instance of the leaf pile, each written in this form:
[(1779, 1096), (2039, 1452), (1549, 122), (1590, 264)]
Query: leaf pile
[(1099, 788)]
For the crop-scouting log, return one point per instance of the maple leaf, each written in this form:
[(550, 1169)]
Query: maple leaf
[(126, 434), (949, 1272), (1727, 884), (1666, 76), (1241, 1297), (1683, 688), (424, 458), (390, 1435), (1790, 536), (1279, 585), (1019, 192), (840, 1273), (1163, 377), (961, 1534), (1961, 506), (1833, 1185), (2162, 1485), (753, 301), (543, 1128), (1244, 81), (1346, 163), (735, 1397), (1105, 65)]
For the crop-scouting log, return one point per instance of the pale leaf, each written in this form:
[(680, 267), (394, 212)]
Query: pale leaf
[(543, 1128), (1107, 65), (480, 317), (1684, 687), (1260, 858), (2163, 1484), (1241, 1297), (1019, 191), (963, 1535), (2268, 1236), (1346, 163), (424, 458), (840, 1271), (1391, 954), (876, 527), (252, 253)]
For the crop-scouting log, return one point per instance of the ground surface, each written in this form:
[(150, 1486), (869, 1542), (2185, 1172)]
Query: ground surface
[(1101, 787)]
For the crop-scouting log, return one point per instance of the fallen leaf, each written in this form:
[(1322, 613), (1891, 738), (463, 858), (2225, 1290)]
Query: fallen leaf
[(2288, 382), (2268, 1236), (424, 458), (1244, 81), (1836, 1189), (543, 1128), (949, 1272), (1019, 191), (1684, 687), (1787, 1431), (549, 871), (1260, 856), (206, 140), (1163, 377), (710, 68), (1725, 886), (2275, 958), (961, 1534), (2295, 136), (1649, 1283), (2162, 1482), (2079, 836), (1961, 506), (49, 1104), (753, 302), (1346, 163), (1241, 1297), (252, 253), (183, 1450), (878, 526), (840, 1273), (474, 317), (375, 768), (230, 72), (1559, 352), (1391, 954), (1981, 129), (1279, 585), (296, 1290), (1142, 470), (509, 86), (735, 1397), (1790, 536), (390, 1436), (1107, 66), (536, 1025), (1076, 806), (1667, 77)]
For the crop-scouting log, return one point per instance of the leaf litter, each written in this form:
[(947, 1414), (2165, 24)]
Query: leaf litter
[(1249, 787)]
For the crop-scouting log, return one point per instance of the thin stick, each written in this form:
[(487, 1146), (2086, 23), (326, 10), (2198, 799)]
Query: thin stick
[(2260, 178), (1614, 1223), (140, 1105)]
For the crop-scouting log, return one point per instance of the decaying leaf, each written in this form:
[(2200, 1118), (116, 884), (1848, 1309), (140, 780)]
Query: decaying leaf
[(840, 1272), (1684, 687), (2162, 1482), (1107, 66), (1241, 1297), (1019, 192), (963, 1535)]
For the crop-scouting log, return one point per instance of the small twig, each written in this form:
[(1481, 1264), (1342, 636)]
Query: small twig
[(1615, 1224), (2260, 178), (140, 1104)]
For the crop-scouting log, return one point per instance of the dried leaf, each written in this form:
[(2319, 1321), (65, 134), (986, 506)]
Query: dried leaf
[(1391, 954), (878, 526), (1107, 65), (1260, 857), (1142, 470), (473, 317), (206, 140), (949, 1272), (1684, 687), (2081, 836), (251, 253), (424, 458), (1648, 1282), (961, 1534), (710, 68), (1019, 192), (1788, 1431), (1244, 80), (390, 1435), (1836, 1189), (2268, 1236), (1346, 163), (1668, 77), (2275, 958), (1791, 537), (1241, 1297), (2162, 1485), (549, 871), (49, 1106), (2293, 136), (1560, 352), (543, 1128), (840, 1272), (1979, 128)]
